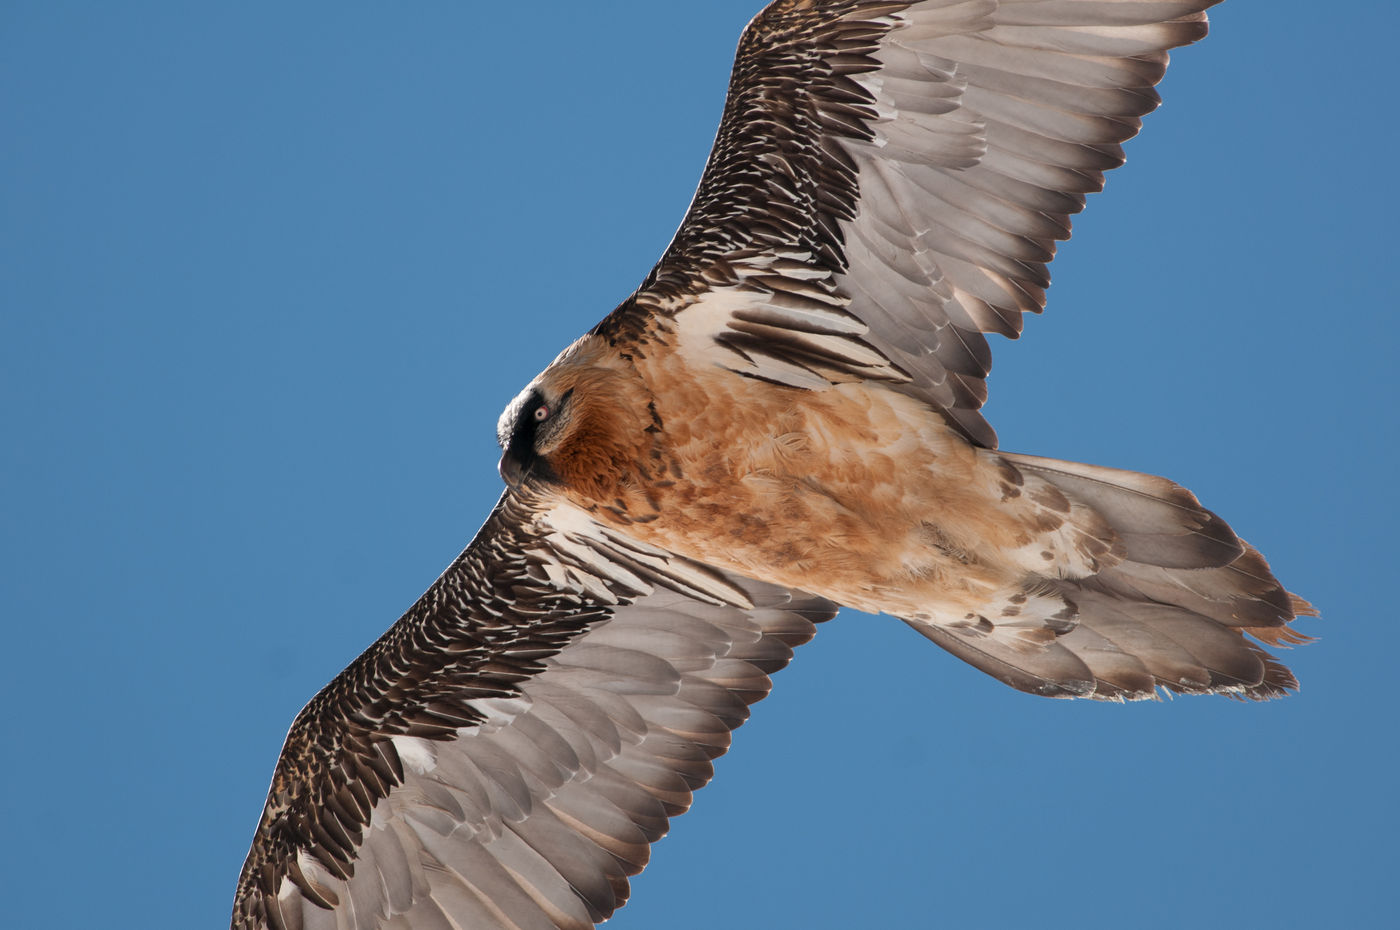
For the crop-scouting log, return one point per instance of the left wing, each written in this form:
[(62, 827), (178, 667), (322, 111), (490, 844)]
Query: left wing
[(507, 752)]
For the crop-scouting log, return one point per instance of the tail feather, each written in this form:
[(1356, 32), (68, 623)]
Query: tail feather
[(1173, 614), (1052, 669), (1159, 522), (1185, 651)]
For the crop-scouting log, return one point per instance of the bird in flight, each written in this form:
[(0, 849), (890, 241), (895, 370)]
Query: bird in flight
[(782, 419)]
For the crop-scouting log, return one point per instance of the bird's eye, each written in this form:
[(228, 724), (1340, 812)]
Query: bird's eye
[(541, 413)]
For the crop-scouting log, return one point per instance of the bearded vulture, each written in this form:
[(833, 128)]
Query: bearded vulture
[(782, 419)]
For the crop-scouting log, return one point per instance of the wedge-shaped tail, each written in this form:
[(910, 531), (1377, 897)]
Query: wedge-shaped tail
[(1180, 611)]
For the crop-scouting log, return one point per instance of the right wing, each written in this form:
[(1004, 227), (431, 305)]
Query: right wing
[(507, 752), (889, 182)]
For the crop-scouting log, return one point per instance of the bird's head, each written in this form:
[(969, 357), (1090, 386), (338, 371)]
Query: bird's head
[(581, 424), (532, 426)]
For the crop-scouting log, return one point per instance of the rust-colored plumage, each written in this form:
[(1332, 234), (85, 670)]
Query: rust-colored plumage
[(783, 418)]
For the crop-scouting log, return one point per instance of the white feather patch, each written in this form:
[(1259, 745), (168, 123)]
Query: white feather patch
[(498, 712), (595, 561), (418, 756)]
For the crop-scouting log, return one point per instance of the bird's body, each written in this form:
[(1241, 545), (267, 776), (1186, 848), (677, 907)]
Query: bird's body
[(784, 418), (858, 493)]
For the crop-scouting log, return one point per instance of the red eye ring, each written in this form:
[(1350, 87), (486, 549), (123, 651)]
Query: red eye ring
[(541, 413)]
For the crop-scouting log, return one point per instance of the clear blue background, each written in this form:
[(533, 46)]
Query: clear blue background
[(268, 272)]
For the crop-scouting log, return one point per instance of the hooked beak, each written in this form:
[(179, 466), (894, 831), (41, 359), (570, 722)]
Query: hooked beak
[(512, 471)]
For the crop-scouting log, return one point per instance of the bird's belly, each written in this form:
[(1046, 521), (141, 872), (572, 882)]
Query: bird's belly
[(856, 493)]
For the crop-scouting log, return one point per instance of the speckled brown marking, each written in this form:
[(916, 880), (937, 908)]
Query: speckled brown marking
[(1011, 479), (1051, 497)]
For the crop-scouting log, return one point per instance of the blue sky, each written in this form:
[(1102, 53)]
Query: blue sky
[(268, 273)]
